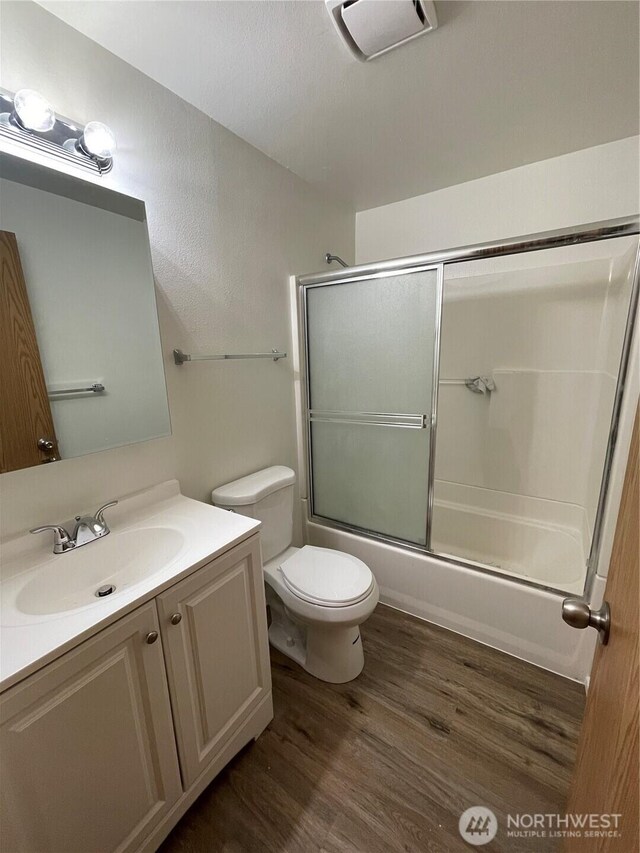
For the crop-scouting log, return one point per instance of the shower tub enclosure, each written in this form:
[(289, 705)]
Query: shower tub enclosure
[(458, 422)]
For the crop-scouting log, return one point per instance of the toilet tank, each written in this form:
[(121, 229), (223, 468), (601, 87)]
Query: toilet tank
[(268, 496)]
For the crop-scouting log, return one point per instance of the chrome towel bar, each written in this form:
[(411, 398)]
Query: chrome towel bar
[(180, 357), (94, 388)]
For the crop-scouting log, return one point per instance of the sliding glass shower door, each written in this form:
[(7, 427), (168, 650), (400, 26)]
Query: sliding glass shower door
[(372, 353)]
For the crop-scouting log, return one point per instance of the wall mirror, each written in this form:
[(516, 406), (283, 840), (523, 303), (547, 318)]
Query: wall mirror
[(80, 364)]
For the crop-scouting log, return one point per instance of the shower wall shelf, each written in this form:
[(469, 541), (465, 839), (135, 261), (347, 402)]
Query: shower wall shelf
[(180, 357)]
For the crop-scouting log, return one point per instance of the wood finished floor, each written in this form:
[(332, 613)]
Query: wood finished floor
[(435, 723)]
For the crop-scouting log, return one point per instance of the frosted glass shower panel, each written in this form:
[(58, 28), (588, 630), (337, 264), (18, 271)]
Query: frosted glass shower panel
[(371, 360), (372, 477), (371, 344)]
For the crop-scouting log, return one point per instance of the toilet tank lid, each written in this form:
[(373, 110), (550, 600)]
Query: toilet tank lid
[(254, 487)]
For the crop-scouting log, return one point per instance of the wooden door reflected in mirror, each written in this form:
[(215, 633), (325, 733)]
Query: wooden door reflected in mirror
[(26, 425)]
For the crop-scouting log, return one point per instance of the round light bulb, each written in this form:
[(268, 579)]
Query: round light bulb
[(98, 140), (33, 111)]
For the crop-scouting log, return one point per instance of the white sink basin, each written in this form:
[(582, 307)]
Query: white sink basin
[(48, 602), (70, 581)]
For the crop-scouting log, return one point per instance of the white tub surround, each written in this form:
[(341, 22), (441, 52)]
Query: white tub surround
[(518, 474), (32, 637)]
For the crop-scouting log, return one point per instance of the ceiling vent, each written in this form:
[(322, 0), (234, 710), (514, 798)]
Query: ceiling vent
[(370, 28)]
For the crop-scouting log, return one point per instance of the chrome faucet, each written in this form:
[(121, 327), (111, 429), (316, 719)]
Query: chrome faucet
[(86, 529)]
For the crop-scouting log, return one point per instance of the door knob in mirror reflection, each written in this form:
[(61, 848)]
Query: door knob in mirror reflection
[(578, 614), (46, 445)]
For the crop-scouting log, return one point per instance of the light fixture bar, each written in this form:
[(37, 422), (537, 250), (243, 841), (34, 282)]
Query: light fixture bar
[(59, 142), (43, 146)]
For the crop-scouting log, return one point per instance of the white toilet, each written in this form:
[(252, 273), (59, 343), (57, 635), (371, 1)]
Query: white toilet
[(318, 597)]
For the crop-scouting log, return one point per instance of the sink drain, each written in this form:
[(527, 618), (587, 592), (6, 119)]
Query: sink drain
[(107, 589)]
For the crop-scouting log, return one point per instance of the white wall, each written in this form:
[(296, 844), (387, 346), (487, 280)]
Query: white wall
[(227, 227), (585, 186)]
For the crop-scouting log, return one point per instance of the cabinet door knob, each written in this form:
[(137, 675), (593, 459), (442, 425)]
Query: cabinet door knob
[(176, 619), (151, 637)]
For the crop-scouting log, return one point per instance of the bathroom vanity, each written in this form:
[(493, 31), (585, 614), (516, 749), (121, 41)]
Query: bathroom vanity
[(117, 712), (133, 663)]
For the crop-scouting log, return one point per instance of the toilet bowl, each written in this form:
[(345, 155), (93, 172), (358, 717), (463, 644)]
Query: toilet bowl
[(318, 600), (317, 597)]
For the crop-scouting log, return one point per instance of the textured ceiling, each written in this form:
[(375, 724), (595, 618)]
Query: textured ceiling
[(498, 85)]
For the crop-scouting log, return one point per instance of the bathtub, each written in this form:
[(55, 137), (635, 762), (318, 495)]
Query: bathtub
[(495, 608), (545, 542)]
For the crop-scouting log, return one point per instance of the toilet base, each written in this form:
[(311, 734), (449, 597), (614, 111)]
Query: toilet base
[(332, 654), (335, 656), (289, 640)]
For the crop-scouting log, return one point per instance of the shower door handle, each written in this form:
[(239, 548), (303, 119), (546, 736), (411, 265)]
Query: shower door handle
[(578, 614), (404, 421)]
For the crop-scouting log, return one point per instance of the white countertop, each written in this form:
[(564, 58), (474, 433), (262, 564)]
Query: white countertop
[(29, 641)]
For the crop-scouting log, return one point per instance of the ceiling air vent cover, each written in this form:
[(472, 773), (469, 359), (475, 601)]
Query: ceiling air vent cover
[(372, 27)]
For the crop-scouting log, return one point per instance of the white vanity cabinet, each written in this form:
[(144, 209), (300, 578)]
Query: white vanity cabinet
[(87, 746), (88, 743), (214, 627)]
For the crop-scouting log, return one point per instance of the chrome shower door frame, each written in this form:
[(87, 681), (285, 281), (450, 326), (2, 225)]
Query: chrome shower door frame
[(401, 420), (593, 232)]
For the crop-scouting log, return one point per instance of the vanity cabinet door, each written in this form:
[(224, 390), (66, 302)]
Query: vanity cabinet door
[(216, 649), (88, 753)]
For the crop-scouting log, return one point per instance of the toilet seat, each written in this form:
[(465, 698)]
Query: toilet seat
[(327, 577)]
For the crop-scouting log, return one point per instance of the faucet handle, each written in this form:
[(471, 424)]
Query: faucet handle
[(99, 517), (61, 540)]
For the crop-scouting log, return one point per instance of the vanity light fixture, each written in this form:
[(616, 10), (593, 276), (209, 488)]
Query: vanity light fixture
[(27, 117)]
